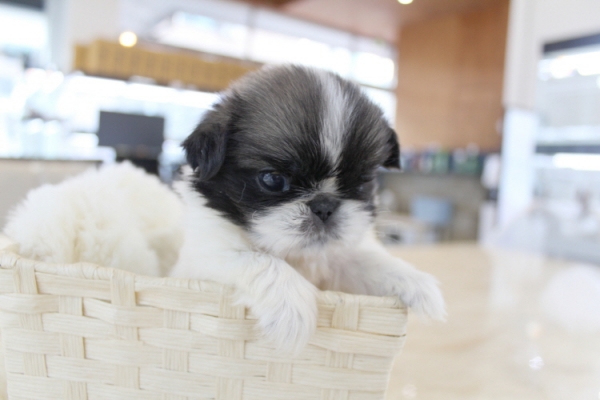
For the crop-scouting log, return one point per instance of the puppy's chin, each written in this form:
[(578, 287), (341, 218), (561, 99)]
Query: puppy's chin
[(292, 229)]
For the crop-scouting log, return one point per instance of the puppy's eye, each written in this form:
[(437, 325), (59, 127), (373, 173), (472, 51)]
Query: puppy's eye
[(273, 181)]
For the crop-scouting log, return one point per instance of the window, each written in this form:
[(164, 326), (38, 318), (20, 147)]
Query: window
[(272, 38)]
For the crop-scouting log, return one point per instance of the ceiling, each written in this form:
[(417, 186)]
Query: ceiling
[(374, 18)]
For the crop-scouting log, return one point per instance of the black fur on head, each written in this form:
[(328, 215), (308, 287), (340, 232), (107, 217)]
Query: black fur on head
[(205, 147), (317, 130)]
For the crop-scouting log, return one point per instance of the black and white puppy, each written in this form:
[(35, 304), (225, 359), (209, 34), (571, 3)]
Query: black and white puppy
[(280, 200)]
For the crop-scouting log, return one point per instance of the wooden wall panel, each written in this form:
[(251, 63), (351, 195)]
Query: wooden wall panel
[(450, 72)]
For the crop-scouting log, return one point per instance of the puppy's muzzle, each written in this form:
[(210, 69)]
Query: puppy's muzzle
[(323, 206)]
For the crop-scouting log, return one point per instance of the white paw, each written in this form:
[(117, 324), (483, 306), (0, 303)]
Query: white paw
[(287, 312), (420, 292)]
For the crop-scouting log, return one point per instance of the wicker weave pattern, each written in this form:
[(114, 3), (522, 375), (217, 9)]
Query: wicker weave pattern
[(85, 332)]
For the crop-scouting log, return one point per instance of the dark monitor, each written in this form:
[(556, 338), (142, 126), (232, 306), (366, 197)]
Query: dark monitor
[(132, 135), (137, 138)]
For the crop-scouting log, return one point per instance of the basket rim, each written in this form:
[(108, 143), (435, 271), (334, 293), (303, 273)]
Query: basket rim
[(11, 259)]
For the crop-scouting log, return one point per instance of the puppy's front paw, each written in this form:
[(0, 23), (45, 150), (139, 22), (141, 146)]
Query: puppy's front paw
[(421, 293), (287, 313)]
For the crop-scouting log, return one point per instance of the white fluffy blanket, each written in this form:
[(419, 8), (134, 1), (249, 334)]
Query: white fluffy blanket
[(117, 216)]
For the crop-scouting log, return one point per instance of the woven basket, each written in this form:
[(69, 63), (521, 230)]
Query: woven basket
[(82, 331)]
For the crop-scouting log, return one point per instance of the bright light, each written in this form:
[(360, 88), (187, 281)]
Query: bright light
[(373, 69), (409, 391), (589, 64), (584, 64), (580, 162), (219, 37), (22, 28), (563, 67), (536, 363), (405, 1), (128, 39)]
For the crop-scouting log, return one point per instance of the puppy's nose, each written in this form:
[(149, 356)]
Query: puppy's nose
[(323, 206)]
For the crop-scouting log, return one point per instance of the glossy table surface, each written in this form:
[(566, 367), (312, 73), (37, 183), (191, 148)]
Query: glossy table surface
[(520, 326)]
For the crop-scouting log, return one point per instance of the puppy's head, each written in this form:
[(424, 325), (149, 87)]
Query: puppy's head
[(290, 154)]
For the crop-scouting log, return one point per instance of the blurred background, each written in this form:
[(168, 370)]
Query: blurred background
[(469, 85), (496, 104)]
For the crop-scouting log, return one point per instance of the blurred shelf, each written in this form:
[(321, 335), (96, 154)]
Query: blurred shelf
[(109, 59)]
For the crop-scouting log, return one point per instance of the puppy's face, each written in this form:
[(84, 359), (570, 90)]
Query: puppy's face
[(290, 154)]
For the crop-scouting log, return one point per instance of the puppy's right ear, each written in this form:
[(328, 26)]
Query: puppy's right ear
[(205, 147)]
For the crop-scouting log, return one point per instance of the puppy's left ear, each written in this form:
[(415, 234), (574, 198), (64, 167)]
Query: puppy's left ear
[(393, 150), (205, 147)]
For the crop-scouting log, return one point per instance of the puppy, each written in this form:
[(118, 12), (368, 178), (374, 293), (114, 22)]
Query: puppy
[(280, 200)]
